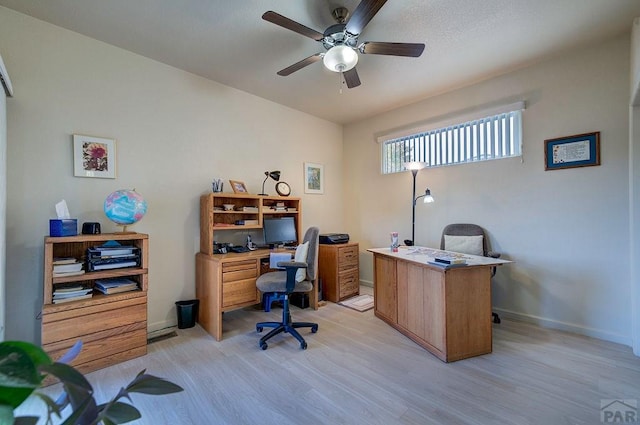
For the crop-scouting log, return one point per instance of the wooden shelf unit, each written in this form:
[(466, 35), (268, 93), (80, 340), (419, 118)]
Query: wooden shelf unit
[(112, 328), (213, 219), (339, 271)]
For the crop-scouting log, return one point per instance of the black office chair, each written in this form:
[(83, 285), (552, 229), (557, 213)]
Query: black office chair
[(284, 282), (465, 229)]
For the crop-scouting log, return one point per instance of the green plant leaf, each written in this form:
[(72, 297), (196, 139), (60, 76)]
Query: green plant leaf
[(18, 374), (120, 413), (26, 420), (52, 406), (149, 384), (6, 415), (67, 375)]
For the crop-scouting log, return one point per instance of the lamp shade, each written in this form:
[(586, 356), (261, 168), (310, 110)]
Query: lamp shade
[(273, 174), (340, 58), (427, 197)]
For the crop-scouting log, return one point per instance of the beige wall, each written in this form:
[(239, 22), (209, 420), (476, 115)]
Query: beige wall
[(175, 132), (567, 230)]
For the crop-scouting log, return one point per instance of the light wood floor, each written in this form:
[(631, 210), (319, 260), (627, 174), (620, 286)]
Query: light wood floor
[(358, 370)]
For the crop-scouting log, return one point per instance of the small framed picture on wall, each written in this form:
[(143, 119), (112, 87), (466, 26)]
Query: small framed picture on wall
[(313, 178), (94, 157)]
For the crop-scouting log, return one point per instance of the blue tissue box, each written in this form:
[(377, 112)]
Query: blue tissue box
[(65, 227)]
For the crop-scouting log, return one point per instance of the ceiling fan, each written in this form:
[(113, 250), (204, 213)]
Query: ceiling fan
[(341, 41)]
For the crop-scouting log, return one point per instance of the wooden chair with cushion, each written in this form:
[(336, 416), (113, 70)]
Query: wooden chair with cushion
[(299, 276), (468, 239)]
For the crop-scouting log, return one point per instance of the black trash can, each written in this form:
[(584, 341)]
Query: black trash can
[(187, 313)]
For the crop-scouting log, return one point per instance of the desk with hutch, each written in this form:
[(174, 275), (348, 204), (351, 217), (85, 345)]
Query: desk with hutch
[(226, 282)]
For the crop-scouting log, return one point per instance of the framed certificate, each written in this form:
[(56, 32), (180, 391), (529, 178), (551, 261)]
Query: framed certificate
[(581, 150)]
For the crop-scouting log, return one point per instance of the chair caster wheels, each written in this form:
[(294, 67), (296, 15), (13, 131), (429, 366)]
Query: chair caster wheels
[(314, 329), (259, 329), (303, 345), (263, 346)]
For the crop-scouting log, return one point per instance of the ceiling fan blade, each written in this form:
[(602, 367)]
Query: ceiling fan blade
[(365, 11), (292, 25), (413, 50), (299, 65), (351, 78)]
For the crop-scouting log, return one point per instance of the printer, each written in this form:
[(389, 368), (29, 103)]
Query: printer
[(333, 238)]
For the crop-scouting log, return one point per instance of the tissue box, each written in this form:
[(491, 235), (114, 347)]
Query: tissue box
[(63, 227)]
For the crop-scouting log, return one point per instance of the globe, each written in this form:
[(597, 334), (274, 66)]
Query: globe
[(125, 207)]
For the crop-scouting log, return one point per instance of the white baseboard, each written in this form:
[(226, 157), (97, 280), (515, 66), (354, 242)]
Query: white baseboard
[(366, 283), (563, 326), (160, 328)]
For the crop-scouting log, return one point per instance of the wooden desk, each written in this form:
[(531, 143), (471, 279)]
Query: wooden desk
[(226, 282), (445, 311)]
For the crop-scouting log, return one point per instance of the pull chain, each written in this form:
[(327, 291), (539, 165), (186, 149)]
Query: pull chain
[(340, 78)]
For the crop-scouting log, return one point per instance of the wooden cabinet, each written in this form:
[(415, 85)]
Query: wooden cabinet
[(339, 271), (112, 328), (226, 282)]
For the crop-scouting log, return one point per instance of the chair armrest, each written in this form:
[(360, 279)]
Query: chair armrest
[(493, 254), (292, 264)]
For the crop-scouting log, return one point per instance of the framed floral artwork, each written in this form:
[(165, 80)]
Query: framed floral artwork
[(94, 157)]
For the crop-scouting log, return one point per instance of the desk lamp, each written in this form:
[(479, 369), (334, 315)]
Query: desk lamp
[(274, 175), (415, 167)]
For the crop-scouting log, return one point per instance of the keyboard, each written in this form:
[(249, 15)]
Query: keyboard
[(239, 249)]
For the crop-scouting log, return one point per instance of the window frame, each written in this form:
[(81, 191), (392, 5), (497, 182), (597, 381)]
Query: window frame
[(426, 141)]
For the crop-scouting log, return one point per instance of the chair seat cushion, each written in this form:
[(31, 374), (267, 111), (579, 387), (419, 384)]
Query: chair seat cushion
[(277, 282)]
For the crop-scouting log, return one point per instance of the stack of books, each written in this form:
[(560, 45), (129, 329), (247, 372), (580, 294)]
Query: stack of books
[(279, 206), (67, 266), (250, 209), (115, 285), (71, 292), (448, 261), (112, 257)]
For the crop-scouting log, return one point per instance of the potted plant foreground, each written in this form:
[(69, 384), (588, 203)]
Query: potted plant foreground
[(24, 366)]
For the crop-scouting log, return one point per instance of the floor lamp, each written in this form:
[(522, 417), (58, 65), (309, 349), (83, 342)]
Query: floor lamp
[(415, 167)]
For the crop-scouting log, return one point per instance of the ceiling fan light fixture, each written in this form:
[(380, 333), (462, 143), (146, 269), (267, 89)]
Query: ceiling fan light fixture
[(340, 58)]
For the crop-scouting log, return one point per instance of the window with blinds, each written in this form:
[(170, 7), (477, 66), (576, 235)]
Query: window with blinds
[(492, 137)]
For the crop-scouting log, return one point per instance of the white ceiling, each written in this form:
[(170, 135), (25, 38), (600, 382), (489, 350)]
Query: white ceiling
[(228, 42)]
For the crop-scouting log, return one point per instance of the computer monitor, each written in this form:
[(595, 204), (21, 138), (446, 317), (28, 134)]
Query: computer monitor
[(279, 231)]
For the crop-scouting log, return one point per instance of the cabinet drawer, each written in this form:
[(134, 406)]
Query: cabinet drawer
[(349, 283), (103, 344), (239, 270), (347, 258), (239, 292), (75, 324)]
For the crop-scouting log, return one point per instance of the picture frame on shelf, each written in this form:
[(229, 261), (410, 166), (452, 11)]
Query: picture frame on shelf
[(313, 178), (580, 150), (94, 157), (238, 186)]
